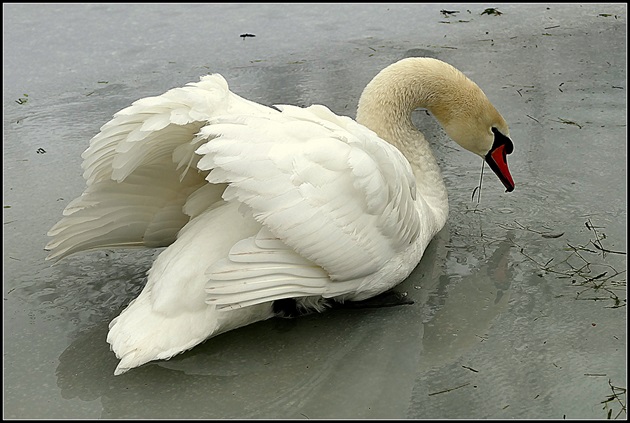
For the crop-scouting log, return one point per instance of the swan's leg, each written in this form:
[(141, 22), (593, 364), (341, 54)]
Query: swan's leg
[(389, 298), (293, 307)]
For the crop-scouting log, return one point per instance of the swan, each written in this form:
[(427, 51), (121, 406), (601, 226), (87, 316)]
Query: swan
[(260, 207)]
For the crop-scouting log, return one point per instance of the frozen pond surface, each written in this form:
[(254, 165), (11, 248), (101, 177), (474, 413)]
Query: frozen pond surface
[(513, 316)]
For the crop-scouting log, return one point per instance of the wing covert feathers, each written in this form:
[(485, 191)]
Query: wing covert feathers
[(326, 186)]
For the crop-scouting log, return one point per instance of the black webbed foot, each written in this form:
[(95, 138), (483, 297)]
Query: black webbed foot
[(386, 299)]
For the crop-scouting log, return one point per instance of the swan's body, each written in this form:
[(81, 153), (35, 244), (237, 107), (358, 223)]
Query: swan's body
[(259, 204)]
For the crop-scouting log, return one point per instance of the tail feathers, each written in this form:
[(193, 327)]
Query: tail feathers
[(140, 334)]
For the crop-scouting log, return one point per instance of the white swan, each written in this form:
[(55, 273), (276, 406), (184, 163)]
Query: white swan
[(258, 204)]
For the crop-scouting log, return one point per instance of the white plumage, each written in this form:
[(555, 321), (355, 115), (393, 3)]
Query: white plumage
[(258, 204)]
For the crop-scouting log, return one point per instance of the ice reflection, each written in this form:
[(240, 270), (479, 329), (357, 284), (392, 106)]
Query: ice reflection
[(288, 368), (466, 309)]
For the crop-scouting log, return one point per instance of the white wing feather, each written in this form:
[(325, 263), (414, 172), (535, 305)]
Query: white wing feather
[(328, 188), (262, 268), (336, 202), (141, 171)]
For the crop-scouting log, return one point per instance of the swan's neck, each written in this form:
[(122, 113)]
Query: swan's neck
[(386, 106)]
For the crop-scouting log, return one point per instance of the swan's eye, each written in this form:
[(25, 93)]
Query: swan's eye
[(500, 139)]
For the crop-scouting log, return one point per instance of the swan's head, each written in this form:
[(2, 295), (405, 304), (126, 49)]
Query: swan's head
[(457, 103), (469, 118), (483, 131)]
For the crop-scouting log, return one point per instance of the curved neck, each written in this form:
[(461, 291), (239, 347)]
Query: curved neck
[(385, 107)]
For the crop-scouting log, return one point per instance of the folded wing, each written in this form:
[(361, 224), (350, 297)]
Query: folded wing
[(328, 189)]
